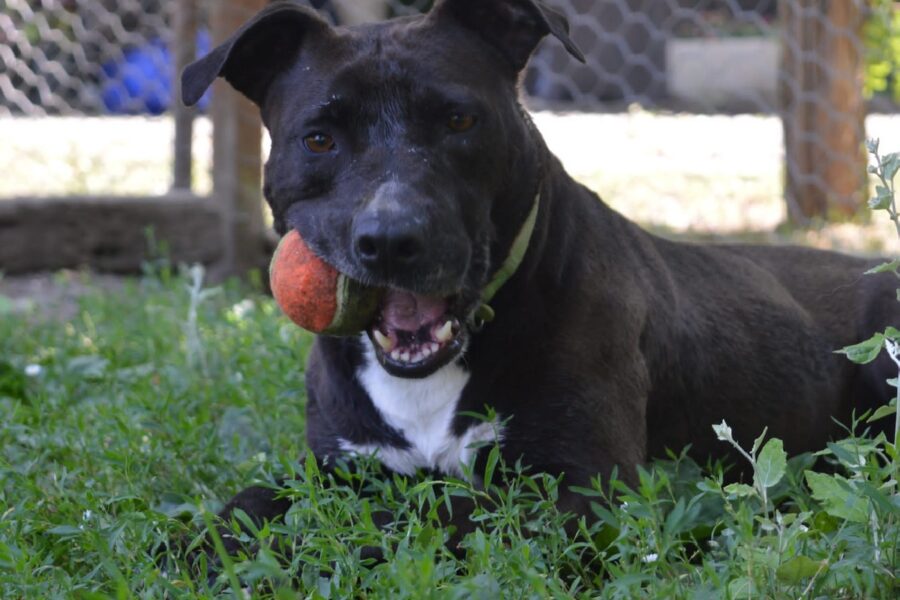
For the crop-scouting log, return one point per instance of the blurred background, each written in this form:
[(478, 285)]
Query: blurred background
[(710, 119)]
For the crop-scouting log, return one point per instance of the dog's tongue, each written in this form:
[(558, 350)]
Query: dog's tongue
[(406, 311)]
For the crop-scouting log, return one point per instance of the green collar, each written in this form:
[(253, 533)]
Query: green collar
[(484, 313)]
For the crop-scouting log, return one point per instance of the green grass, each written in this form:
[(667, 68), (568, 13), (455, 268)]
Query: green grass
[(124, 427)]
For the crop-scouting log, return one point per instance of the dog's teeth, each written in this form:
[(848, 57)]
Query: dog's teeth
[(395, 354), (445, 333), (404, 356), (434, 347), (386, 343), (426, 351), (417, 357)]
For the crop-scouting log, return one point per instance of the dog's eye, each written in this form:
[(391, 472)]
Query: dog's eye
[(319, 143), (459, 122)]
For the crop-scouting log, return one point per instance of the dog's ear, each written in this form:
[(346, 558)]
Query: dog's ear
[(250, 59), (514, 27)]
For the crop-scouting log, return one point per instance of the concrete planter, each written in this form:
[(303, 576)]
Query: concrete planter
[(106, 233), (723, 73)]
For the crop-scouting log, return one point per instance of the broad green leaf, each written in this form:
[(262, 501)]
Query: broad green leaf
[(88, 367), (796, 569), (887, 267), (892, 333), (605, 536), (742, 587), (864, 352), (741, 490), (881, 201), (787, 519), (492, 460), (426, 535), (882, 412), (883, 499), (834, 492), (770, 464), (677, 518), (759, 440), (65, 530), (890, 164), (761, 556), (8, 555), (893, 451), (852, 451), (825, 523)]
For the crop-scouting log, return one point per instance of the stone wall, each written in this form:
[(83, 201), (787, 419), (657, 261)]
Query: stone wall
[(106, 233)]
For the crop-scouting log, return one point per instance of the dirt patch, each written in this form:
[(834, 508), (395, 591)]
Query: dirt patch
[(53, 295)]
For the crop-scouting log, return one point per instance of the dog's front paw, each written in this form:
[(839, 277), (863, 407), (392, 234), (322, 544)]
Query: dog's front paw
[(232, 534)]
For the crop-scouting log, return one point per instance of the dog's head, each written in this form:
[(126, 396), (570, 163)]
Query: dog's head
[(399, 152)]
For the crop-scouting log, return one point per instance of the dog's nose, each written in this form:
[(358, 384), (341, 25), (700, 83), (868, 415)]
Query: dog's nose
[(387, 245)]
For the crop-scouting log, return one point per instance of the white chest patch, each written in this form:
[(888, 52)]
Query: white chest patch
[(422, 410)]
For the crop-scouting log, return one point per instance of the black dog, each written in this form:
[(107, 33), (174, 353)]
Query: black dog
[(401, 154)]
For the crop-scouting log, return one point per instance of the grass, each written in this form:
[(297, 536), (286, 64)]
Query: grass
[(126, 425), (130, 419)]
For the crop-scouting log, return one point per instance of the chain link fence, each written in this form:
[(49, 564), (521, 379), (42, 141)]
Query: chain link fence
[(699, 55), (64, 57), (806, 62), (100, 57), (111, 57)]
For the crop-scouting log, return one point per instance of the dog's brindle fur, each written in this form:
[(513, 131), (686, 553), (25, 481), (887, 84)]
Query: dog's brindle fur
[(609, 346)]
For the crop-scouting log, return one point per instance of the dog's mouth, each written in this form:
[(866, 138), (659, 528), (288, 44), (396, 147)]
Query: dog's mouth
[(414, 335)]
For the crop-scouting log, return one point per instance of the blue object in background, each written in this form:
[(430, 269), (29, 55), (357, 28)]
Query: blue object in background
[(141, 82)]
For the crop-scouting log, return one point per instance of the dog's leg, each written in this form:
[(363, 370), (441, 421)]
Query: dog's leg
[(260, 503), (264, 504)]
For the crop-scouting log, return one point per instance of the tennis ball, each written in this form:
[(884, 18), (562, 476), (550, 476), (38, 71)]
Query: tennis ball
[(315, 295)]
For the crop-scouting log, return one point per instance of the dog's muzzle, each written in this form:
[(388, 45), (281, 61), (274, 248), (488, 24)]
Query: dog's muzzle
[(414, 335)]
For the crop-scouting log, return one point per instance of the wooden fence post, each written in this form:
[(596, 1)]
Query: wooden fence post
[(184, 43), (237, 154), (823, 110)]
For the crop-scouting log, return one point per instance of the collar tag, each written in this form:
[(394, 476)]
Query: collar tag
[(483, 314)]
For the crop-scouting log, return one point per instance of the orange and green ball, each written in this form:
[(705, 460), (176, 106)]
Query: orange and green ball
[(315, 295)]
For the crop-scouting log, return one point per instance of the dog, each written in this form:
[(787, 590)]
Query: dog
[(403, 157)]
